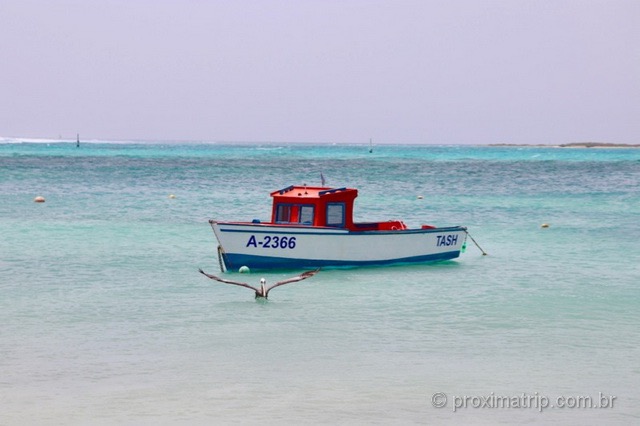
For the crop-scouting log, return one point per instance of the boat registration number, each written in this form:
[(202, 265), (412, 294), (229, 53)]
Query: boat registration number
[(272, 241)]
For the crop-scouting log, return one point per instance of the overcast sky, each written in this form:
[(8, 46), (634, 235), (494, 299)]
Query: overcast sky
[(449, 71)]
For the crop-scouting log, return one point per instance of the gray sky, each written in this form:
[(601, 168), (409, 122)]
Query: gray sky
[(449, 71)]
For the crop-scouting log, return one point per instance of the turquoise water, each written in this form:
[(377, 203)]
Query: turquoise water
[(105, 319)]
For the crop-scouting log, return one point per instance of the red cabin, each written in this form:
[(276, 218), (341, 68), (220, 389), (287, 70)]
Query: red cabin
[(319, 206)]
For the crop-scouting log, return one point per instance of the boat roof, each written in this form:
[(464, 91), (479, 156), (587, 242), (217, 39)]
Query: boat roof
[(314, 192)]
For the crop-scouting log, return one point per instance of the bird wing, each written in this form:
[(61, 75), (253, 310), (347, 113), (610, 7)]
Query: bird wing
[(222, 280), (300, 277)]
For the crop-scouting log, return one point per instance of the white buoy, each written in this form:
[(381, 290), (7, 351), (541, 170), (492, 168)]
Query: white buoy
[(39, 199), (244, 270), (420, 197), (544, 225), (172, 196)]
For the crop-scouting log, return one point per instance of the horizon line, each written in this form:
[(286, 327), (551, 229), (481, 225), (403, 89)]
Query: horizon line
[(21, 139)]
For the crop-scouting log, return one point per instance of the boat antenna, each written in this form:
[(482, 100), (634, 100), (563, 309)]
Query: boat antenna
[(77, 140), (322, 179), (370, 145)]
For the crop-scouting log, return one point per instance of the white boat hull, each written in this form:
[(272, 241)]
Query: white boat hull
[(268, 246)]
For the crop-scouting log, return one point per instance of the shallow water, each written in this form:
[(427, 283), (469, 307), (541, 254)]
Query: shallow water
[(106, 320)]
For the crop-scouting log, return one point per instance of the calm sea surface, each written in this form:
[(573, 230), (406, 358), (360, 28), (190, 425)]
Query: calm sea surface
[(104, 318)]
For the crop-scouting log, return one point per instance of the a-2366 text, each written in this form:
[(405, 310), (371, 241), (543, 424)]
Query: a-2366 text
[(272, 241)]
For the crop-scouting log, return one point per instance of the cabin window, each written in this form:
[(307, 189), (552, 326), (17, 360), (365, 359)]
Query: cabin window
[(305, 216), (283, 213), (335, 214)]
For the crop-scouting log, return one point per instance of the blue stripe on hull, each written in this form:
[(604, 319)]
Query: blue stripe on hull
[(235, 261), (300, 230)]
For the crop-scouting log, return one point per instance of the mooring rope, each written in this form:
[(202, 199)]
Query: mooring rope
[(220, 261), (484, 253)]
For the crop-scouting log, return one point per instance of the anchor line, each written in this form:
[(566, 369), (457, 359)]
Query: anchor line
[(220, 260), (484, 253)]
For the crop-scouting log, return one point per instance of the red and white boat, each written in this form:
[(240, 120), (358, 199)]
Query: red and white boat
[(313, 227)]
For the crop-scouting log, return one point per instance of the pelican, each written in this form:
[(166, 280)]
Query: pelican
[(263, 291)]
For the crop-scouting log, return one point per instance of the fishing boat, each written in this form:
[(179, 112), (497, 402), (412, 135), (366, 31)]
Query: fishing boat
[(313, 227)]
